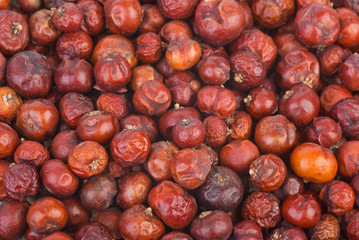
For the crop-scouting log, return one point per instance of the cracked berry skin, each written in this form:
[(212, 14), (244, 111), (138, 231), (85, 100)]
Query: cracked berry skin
[(221, 18), (94, 16), (73, 105), (141, 123), (261, 102), (257, 42), (317, 25), (74, 45), (171, 117), (263, 208), (183, 86), (42, 29), (216, 131)]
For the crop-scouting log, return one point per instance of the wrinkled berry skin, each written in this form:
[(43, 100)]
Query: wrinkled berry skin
[(93, 231), (172, 204), (87, 159), (248, 70), (346, 112), (300, 105), (324, 131), (339, 197), (21, 181), (317, 25), (263, 208), (177, 9), (74, 75), (9, 140), (123, 16), (221, 18), (188, 133), (190, 167), (130, 147), (29, 74), (153, 98), (37, 119), (216, 100), (14, 32), (299, 66), (327, 228), (138, 222), (301, 210), (259, 168), (112, 73)]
